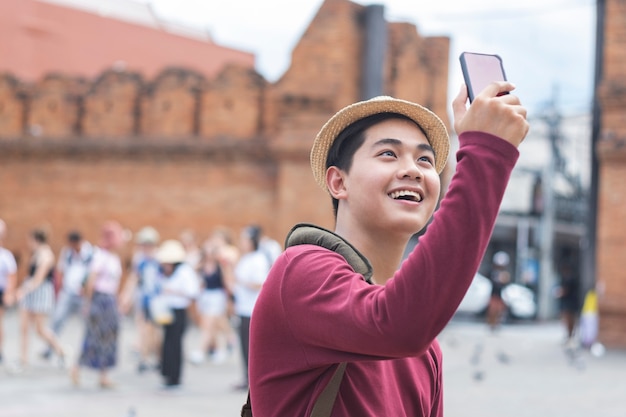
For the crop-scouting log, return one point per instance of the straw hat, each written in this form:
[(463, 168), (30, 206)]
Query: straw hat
[(171, 252), (429, 122)]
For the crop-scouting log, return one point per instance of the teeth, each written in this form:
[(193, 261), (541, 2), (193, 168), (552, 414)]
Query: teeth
[(406, 193)]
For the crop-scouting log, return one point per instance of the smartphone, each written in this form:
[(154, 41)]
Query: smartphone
[(479, 70)]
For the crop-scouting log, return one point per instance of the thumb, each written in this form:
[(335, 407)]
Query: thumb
[(459, 107)]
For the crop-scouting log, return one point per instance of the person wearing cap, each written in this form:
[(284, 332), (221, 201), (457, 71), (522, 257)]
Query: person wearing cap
[(178, 287), (8, 280), (99, 347), (72, 269), (139, 288), (380, 161)]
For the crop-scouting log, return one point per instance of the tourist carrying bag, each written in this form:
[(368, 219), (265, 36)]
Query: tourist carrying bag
[(314, 235), (160, 311)]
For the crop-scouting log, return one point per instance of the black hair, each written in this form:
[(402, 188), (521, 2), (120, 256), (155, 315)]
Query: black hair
[(254, 232), (39, 235), (350, 139), (175, 266), (74, 236)]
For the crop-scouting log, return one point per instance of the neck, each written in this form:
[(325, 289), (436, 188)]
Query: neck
[(384, 252)]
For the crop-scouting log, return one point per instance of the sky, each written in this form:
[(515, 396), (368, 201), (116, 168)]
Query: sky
[(547, 46)]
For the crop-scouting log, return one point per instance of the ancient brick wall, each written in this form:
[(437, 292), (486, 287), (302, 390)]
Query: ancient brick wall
[(12, 107), (54, 107), (173, 186), (183, 150), (111, 106), (325, 75), (611, 243)]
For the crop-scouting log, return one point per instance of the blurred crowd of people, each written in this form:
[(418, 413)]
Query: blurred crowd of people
[(169, 285)]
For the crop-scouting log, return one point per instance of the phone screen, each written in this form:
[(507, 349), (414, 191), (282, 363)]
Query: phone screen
[(479, 70)]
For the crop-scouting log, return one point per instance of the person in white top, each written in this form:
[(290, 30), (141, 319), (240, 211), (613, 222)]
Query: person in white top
[(73, 268), (179, 287), (249, 275), (8, 278)]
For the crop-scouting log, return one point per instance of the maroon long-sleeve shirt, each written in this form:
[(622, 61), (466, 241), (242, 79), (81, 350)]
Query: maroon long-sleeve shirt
[(314, 311)]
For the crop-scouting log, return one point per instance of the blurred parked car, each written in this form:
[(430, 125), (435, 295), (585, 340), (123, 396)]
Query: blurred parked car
[(520, 300)]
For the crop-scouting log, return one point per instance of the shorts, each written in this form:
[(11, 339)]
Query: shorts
[(212, 302), (41, 300)]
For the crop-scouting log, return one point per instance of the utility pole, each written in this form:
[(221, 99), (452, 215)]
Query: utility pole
[(589, 254), (547, 277)]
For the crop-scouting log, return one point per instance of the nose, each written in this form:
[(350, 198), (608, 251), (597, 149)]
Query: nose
[(410, 169)]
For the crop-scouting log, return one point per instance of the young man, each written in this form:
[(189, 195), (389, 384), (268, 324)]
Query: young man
[(73, 268), (141, 285), (380, 161)]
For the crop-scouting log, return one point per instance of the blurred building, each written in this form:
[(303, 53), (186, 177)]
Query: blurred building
[(85, 37), (179, 144), (611, 153), (542, 219)]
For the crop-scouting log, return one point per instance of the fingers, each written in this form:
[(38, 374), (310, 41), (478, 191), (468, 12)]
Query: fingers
[(495, 89), (493, 111), (458, 104)]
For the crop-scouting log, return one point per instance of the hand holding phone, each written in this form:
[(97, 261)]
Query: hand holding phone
[(480, 70), (505, 119)]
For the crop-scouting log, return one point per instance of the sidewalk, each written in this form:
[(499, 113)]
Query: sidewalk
[(520, 371), (524, 371), (45, 390)]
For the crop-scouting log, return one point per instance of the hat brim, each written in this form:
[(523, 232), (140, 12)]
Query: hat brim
[(170, 252), (431, 124)]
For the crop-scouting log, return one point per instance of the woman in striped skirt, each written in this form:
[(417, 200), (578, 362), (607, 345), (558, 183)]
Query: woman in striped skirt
[(36, 295)]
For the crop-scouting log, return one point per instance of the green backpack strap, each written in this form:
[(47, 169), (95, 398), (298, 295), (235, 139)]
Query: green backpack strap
[(246, 409), (324, 403), (310, 234)]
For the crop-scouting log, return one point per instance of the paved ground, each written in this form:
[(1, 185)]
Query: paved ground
[(520, 371)]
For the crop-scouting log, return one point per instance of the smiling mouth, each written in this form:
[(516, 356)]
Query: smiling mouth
[(406, 195)]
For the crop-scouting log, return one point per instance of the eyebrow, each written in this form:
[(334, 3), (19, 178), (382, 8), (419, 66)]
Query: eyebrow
[(397, 142)]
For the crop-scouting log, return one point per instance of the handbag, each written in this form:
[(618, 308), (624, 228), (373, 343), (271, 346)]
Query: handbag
[(314, 235), (160, 311)]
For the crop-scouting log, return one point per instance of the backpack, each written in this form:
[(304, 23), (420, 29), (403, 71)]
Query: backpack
[(309, 234)]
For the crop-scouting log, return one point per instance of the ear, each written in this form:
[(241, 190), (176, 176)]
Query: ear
[(335, 181)]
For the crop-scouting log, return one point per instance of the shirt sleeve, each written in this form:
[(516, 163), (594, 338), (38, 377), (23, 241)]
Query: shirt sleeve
[(339, 312), (61, 261), (260, 269), (96, 262), (187, 283), (11, 264)]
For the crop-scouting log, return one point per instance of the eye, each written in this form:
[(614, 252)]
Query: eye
[(426, 158), (388, 153)]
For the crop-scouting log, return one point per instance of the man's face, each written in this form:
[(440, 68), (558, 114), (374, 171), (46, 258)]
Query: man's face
[(147, 248), (393, 185), (74, 244), (168, 269)]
